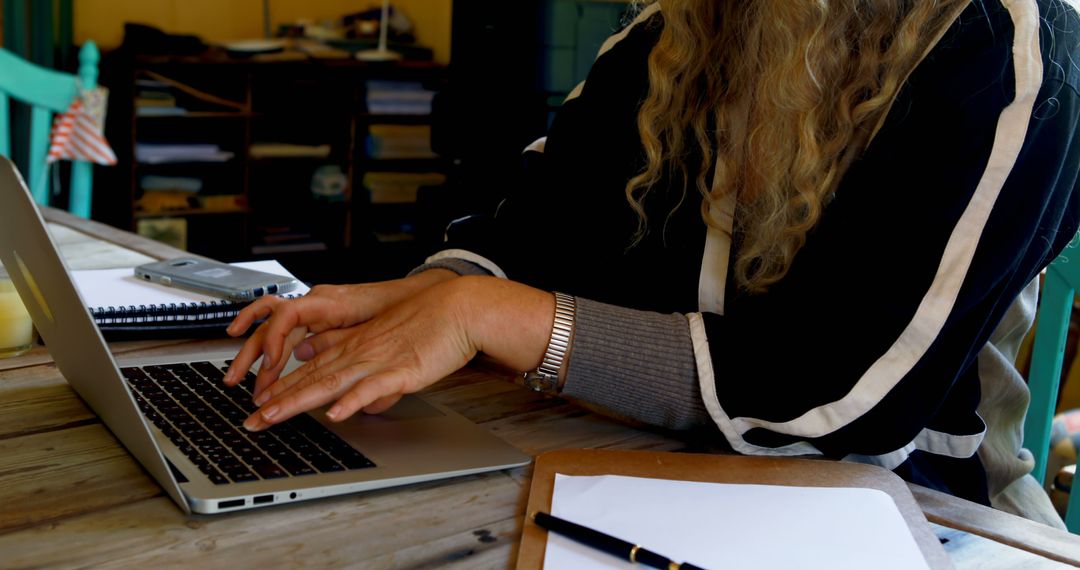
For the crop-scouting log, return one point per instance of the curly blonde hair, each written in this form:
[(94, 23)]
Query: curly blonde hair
[(778, 96)]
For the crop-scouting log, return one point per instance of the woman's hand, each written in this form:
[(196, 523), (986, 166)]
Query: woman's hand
[(410, 346), (326, 307)]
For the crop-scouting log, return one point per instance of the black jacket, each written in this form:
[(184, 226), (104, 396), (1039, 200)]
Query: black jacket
[(867, 349)]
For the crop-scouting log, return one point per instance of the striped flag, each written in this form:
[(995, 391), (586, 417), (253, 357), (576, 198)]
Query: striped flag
[(77, 133)]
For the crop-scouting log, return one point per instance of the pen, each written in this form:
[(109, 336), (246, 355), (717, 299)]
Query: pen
[(609, 544)]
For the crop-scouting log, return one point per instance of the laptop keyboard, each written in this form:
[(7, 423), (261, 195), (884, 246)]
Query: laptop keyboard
[(191, 406)]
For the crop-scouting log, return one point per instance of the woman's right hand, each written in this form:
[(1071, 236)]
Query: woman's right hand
[(324, 308)]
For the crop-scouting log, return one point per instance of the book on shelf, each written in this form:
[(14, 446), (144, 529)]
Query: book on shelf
[(156, 102), (223, 203), (286, 150), (160, 111), (399, 141), (171, 183), (174, 202), (164, 153), (166, 201), (152, 84), (399, 187), (125, 307), (148, 98), (385, 97)]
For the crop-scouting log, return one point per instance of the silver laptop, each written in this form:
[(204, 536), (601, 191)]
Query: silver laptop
[(179, 421)]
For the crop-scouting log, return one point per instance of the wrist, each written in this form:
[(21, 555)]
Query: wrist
[(506, 320)]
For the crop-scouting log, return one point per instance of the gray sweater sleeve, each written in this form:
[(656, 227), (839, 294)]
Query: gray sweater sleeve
[(638, 364), (459, 266)]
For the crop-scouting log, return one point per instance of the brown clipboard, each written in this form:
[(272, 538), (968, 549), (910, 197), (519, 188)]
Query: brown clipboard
[(716, 469)]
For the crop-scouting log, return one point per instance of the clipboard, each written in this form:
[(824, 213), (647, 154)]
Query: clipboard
[(717, 469)]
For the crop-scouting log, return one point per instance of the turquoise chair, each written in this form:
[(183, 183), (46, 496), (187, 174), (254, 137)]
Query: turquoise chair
[(47, 91), (1047, 356)]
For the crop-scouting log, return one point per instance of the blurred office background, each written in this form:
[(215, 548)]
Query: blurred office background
[(263, 129)]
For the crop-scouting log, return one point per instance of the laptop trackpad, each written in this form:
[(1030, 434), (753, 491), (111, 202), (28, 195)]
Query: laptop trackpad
[(407, 409)]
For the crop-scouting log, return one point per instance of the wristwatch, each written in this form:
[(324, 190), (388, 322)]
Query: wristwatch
[(545, 379)]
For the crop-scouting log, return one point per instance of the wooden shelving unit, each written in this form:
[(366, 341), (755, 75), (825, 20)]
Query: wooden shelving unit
[(236, 104)]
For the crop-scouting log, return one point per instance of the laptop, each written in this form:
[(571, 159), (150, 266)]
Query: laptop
[(180, 422)]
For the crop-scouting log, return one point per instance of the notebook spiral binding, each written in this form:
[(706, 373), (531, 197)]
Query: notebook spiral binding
[(171, 313)]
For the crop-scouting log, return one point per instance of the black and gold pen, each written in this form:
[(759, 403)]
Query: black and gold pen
[(609, 544)]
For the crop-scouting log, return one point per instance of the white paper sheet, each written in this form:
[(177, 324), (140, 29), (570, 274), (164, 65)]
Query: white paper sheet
[(719, 526), (120, 287)]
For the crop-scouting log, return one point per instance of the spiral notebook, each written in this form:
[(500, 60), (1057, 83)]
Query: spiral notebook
[(126, 308)]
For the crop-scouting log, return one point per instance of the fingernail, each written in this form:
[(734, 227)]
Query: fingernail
[(262, 398), (251, 424), (334, 412), (269, 413), (304, 351)]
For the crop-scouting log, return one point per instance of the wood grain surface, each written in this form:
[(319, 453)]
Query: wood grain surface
[(72, 497)]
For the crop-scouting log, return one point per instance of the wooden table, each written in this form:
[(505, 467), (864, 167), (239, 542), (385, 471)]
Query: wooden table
[(70, 495)]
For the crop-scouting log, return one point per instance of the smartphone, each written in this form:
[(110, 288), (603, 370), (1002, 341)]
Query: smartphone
[(215, 278)]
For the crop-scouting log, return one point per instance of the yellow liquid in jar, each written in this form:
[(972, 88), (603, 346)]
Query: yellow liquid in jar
[(16, 328)]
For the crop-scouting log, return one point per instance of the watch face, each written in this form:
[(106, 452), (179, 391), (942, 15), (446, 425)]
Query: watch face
[(540, 382)]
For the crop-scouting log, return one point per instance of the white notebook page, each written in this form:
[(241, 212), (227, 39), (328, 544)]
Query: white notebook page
[(721, 526)]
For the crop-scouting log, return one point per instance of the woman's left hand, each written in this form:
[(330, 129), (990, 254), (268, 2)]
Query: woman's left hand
[(411, 346)]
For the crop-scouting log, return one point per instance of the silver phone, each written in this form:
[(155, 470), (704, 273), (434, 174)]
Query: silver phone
[(215, 278)]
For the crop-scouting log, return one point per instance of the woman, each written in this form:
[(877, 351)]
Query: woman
[(812, 227)]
